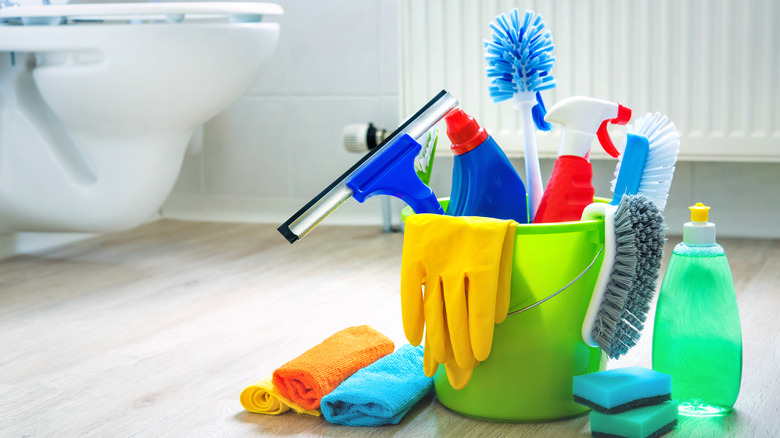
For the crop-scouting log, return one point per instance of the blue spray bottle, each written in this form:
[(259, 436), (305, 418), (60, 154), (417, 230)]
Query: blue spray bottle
[(484, 182)]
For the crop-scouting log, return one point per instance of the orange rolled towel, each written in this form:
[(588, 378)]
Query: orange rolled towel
[(318, 371)]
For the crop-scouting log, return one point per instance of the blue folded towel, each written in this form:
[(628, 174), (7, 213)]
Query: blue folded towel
[(381, 393)]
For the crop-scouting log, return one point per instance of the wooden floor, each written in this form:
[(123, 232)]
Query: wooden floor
[(154, 333)]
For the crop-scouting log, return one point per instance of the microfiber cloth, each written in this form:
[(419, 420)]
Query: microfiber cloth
[(263, 398), (381, 393), (318, 371)]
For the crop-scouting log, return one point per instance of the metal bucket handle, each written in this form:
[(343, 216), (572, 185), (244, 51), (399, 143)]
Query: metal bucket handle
[(592, 262)]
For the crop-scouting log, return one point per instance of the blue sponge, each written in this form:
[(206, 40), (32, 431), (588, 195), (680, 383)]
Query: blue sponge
[(622, 389), (644, 422)]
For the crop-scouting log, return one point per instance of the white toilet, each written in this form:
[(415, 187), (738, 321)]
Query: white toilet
[(98, 103)]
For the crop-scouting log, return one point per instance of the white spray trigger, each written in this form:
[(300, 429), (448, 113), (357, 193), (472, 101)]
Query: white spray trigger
[(582, 119)]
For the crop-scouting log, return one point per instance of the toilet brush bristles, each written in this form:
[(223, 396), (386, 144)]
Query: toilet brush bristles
[(519, 56)]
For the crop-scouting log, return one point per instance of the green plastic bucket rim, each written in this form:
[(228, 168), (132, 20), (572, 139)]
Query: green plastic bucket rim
[(525, 229), (546, 228)]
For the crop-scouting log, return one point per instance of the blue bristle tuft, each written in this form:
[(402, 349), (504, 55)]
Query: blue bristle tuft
[(519, 56), (538, 112)]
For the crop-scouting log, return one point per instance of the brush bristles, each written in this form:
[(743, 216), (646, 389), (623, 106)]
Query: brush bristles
[(621, 281), (424, 160), (421, 160), (519, 57), (639, 233), (664, 142)]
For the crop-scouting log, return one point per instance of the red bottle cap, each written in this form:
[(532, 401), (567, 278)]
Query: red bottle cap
[(464, 132)]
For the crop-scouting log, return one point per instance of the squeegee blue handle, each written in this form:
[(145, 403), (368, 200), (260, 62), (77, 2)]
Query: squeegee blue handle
[(632, 166), (391, 172)]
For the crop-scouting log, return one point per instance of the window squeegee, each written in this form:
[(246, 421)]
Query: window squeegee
[(299, 224)]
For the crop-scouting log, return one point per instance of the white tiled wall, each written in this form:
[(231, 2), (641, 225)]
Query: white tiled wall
[(280, 144)]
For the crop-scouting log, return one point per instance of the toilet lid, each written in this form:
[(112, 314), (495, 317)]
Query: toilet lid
[(126, 11)]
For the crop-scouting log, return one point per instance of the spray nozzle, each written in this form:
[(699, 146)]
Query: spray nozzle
[(582, 119)]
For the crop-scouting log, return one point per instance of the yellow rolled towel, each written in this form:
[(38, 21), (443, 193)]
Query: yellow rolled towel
[(263, 398)]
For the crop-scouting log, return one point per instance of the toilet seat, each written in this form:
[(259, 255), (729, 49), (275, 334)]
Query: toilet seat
[(171, 12)]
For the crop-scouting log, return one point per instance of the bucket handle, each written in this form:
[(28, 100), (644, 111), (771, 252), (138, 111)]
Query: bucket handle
[(592, 262)]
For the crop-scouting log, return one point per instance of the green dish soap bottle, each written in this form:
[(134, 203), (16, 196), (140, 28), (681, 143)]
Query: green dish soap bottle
[(697, 336)]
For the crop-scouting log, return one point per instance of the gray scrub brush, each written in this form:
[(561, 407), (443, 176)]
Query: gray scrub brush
[(634, 239)]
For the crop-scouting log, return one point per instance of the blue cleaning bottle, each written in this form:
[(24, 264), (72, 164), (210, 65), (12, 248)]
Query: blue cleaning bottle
[(484, 182)]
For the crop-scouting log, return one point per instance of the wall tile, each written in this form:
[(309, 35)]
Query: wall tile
[(247, 149), (388, 47), (315, 141), (742, 195), (190, 179), (388, 117), (333, 47)]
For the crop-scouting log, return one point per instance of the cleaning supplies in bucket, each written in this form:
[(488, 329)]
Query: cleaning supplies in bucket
[(484, 182), (697, 336), (520, 65), (455, 280), (570, 188), (535, 354)]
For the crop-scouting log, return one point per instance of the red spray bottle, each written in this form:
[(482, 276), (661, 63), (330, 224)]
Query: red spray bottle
[(570, 188)]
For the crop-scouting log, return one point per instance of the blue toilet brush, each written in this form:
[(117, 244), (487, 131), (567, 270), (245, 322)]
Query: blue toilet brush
[(519, 67)]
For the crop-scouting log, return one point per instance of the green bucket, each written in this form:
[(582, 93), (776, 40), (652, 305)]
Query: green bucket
[(535, 353)]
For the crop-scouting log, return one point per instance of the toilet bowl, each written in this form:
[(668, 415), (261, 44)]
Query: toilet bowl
[(98, 103)]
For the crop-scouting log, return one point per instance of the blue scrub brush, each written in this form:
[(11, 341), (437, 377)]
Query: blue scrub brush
[(647, 163), (519, 67), (634, 236)]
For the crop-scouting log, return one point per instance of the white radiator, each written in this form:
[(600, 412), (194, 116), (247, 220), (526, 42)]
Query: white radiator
[(712, 66)]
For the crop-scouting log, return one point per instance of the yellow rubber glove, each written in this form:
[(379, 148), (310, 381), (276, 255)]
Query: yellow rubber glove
[(455, 286)]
